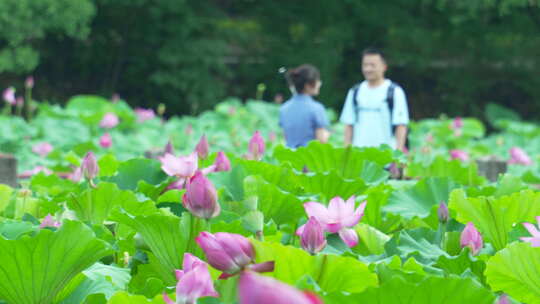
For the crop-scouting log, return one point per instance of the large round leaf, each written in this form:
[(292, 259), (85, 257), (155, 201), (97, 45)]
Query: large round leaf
[(514, 270)]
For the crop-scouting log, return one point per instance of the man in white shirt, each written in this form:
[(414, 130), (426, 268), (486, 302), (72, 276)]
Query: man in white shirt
[(375, 111)]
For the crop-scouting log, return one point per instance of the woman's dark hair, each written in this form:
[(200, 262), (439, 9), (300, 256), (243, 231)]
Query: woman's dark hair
[(302, 75)]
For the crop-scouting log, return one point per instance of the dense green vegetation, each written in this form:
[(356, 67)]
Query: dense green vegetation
[(450, 56)]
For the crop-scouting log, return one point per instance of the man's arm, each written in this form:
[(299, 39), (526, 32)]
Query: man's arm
[(322, 135), (348, 135), (401, 137)]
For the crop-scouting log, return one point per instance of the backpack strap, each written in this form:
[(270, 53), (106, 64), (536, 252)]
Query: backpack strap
[(356, 88), (390, 101)]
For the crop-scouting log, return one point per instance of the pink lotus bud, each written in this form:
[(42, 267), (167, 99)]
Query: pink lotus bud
[(312, 237), (202, 148), (182, 166), (503, 299), (201, 197), (222, 163), (518, 156), (169, 149), (227, 252), (49, 221), (42, 149), (470, 237), (109, 121), (105, 141), (194, 282), (89, 166), (459, 154), (258, 289), (144, 114), (442, 213), (19, 101), (9, 96), (29, 83), (457, 123), (256, 146)]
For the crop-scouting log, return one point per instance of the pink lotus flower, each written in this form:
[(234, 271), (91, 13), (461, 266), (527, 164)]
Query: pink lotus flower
[(227, 252), (89, 167), (337, 218), (182, 166), (202, 148), (535, 239), (144, 114), (256, 146), (9, 96), (194, 282), (457, 123), (105, 141), (459, 154), (109, 121), (470, 237), (29, 83), (312, 237), (42, 149), (49, 221), (201, 197), (19, 101), (76, 175), (520, 157), (257, 289)]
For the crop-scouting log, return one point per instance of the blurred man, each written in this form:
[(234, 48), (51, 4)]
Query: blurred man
[(375, 111)]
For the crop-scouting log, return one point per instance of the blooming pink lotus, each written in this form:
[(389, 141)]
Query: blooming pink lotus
[(109, 121), (257, 289), (256, 146), (42, 149), (337, 218), (182, 166), (459, 154), (535, 238), (227, 252), (105, 141), (194, 282), (9, 96), (312, 238), (201, 197), (202, 148), (49, 221), (520, 157), (144, 114), (470, 237)]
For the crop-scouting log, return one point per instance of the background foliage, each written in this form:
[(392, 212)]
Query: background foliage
[(450, 56)]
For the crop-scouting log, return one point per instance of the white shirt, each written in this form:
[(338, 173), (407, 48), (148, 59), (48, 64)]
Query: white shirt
[(372, 123)]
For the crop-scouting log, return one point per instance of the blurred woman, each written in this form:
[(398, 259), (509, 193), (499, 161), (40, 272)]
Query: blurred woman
[(302, 118)]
